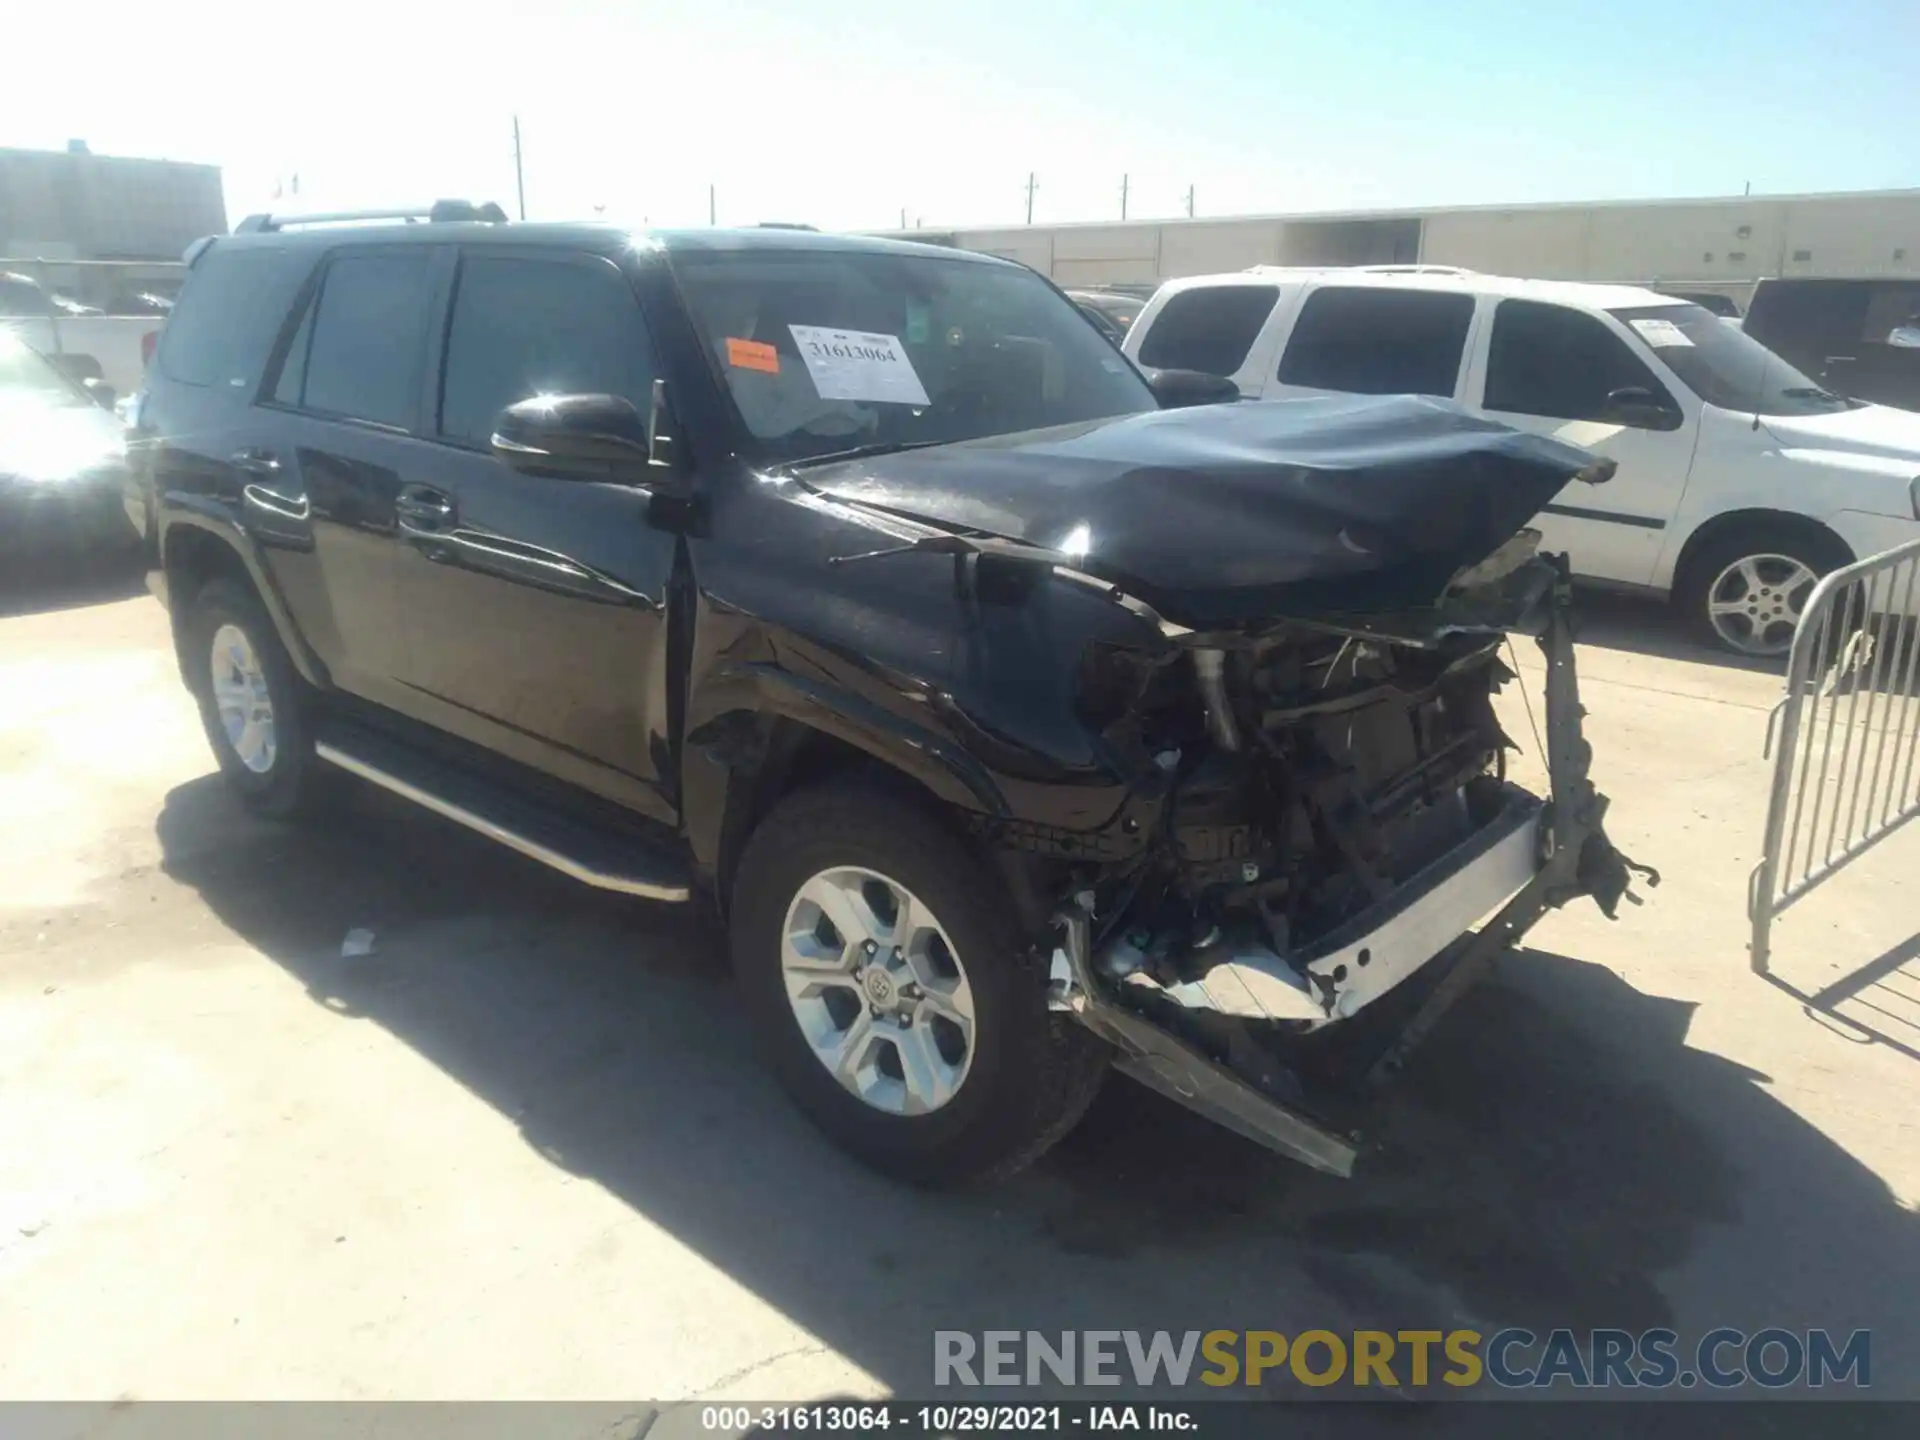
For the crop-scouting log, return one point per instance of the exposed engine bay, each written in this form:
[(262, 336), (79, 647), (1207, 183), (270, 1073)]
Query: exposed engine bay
[(1336, 823)]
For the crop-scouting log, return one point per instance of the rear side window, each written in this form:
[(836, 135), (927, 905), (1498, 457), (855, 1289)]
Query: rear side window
[(524, 327), (228, 316), (368, 342), (1366, 341), (1209, 328), (1550, 361)]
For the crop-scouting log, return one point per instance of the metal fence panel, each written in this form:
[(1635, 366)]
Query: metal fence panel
[(1845, 736)]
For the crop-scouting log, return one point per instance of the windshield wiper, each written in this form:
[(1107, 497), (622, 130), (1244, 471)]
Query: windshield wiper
[(1813, 392), (858, 452)]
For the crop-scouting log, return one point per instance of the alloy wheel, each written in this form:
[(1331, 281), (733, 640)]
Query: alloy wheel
[(241, 695), (878, 990), (1755, 604)]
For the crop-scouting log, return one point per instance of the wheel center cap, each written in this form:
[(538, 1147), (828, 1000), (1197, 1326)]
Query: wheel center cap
[(878, 985)]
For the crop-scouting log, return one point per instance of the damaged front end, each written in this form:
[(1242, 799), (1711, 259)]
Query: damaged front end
[(1338, 854)]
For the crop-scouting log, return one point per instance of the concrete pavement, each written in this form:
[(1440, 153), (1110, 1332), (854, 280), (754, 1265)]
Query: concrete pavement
[(524, 1149)]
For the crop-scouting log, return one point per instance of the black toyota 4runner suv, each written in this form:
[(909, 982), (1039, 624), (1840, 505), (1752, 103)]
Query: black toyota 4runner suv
[(1023, 715)]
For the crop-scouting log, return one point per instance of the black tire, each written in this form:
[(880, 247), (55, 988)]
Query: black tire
[(290, 781), (1032, 1072), (1820, 554)]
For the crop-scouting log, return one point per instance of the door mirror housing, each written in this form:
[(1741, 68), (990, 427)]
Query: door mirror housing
[(1177, 389), (1641, 409), (590, 437)]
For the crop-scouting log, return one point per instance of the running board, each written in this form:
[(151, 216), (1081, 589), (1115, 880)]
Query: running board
[(577, 851)]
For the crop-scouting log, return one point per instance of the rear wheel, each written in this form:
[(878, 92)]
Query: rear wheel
[(1746, 591), (898, 1005), (249, 697)]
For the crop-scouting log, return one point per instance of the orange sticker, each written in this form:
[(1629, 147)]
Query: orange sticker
[(752, 355)]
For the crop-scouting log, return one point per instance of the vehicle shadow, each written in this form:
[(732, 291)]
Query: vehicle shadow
[(1556, 1156), (1641, 625), (32, 586)]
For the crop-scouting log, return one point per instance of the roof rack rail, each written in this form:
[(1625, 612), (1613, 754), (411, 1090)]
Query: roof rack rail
[(786, 225), (439, 213), (1416, 269)]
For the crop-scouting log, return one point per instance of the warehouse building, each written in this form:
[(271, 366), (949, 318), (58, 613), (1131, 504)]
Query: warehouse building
[(91, 226), (1719, 245)]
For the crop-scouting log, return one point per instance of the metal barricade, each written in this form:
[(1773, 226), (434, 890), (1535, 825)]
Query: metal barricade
[(1844, 772)]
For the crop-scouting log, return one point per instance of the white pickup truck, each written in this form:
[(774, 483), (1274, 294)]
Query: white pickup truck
[(82, 341)]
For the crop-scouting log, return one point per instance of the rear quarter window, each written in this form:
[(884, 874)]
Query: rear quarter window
[(228, 316), (1210, 328)]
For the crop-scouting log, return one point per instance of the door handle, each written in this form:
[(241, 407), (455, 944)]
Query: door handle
[(252, 460), (420, 507)]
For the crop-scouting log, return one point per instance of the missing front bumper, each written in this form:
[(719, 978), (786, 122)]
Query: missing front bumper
[(1246, 979), (1532, 857)]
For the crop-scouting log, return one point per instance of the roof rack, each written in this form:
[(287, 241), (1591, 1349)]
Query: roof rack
[(439, 213), (1416, 269), (786, 225)]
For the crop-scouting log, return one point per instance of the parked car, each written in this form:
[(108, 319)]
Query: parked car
[(1859, 338), (1740, 481), (1111, 311), (81, 339), (62, 465), (1018, 726), (1710, 300)]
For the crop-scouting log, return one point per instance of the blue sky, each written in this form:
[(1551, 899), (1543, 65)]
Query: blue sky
[(846, 113)]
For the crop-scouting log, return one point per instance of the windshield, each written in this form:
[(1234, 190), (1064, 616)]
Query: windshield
[(26, 379), (828, 351), (1724, 365)]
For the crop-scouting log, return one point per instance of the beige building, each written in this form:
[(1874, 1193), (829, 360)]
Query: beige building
[(1722, 245)]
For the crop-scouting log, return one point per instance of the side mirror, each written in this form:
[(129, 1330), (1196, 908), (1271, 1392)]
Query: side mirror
[(1639, 408), (102, 393), (586, 437), (1177, 389)]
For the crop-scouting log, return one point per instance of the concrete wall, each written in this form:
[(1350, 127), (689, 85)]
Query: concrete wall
[(100, 207), (1717, 244)]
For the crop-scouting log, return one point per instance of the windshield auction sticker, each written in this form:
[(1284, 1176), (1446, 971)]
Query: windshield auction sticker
[(853, 365), (1661, 334), (752, 355)]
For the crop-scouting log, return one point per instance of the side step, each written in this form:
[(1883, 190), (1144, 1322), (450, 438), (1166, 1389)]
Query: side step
[(602, 858)]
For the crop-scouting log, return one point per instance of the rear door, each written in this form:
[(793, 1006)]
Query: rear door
[(1549, 369), (1376, 340), (324, 484), (536, 607)]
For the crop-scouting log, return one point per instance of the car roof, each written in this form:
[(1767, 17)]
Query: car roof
[(1446, 279), (596, 237)]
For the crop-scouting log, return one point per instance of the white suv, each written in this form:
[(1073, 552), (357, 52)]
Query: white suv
[(1740, 480)]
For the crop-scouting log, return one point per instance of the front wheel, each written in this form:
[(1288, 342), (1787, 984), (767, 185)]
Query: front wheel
[(1746, 592), (895, 998)]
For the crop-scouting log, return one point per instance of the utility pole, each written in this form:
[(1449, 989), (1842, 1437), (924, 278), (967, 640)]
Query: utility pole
[(519, 172), (1189, 202), (713, 207), (903, 217), (1033, 184), (1123, 197)]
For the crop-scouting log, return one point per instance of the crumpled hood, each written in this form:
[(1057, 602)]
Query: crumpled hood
[(1223, 513), (1871, 430)]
